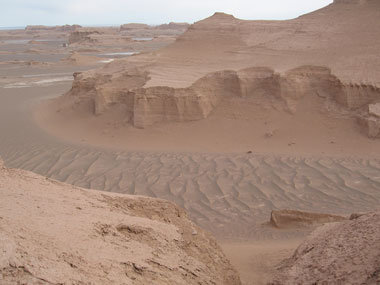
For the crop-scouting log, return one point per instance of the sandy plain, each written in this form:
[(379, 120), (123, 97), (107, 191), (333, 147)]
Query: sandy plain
[(226, 180)]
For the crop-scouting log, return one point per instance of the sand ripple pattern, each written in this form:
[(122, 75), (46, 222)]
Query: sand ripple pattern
[(226, 194)]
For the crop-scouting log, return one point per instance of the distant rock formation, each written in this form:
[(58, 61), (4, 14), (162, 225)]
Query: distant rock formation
[(173, 26), (65, 28), (80, 36), (283, 219), (170, 26), (342, 253), (53, 233), (134, 26)]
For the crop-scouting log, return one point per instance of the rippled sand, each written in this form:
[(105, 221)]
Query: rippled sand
[(229, 195)]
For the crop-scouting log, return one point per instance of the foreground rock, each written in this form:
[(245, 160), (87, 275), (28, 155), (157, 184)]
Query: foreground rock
[(343, 253), (54, 233), (298, 219)]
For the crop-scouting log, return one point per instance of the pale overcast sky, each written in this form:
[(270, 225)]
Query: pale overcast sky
[(115, 12)]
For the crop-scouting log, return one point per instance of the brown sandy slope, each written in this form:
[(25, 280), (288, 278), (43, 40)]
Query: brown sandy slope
[(54, 233), (321, 76), (342, 253)]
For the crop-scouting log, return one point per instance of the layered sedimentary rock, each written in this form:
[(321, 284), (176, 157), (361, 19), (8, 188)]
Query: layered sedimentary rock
[(53, 233), (342, 253), (147, 106), (299, 219)]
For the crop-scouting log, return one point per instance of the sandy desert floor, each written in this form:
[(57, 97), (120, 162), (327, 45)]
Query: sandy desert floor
[(228, 187)]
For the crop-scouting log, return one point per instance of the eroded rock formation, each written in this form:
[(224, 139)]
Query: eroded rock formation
[(340, 253), (298, 219), (151, 105), (134, 26), (219, 58), (53, 233), (174, 26), (81, 36)]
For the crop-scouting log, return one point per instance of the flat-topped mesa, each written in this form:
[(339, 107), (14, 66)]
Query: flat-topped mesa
[(221, 16), (173, 25), (134, 26), (216, 21), (214, 34), (64, 28)]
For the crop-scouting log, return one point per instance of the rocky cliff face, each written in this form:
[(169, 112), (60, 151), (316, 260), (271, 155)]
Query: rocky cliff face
[(148, 106), (341, 253), (53, 233)]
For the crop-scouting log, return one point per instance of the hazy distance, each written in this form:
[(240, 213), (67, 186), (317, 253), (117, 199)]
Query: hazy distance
[(115, 12)]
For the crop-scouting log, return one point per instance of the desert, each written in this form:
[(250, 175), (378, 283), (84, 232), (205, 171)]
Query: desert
[(226, 151)]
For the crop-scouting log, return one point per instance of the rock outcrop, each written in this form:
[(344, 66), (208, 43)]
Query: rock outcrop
[(81, 36), (134, 26), (148, 106), (53, 233), (283, 219), (64, 28), (173, 26), (341, 253), (170, 26)]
